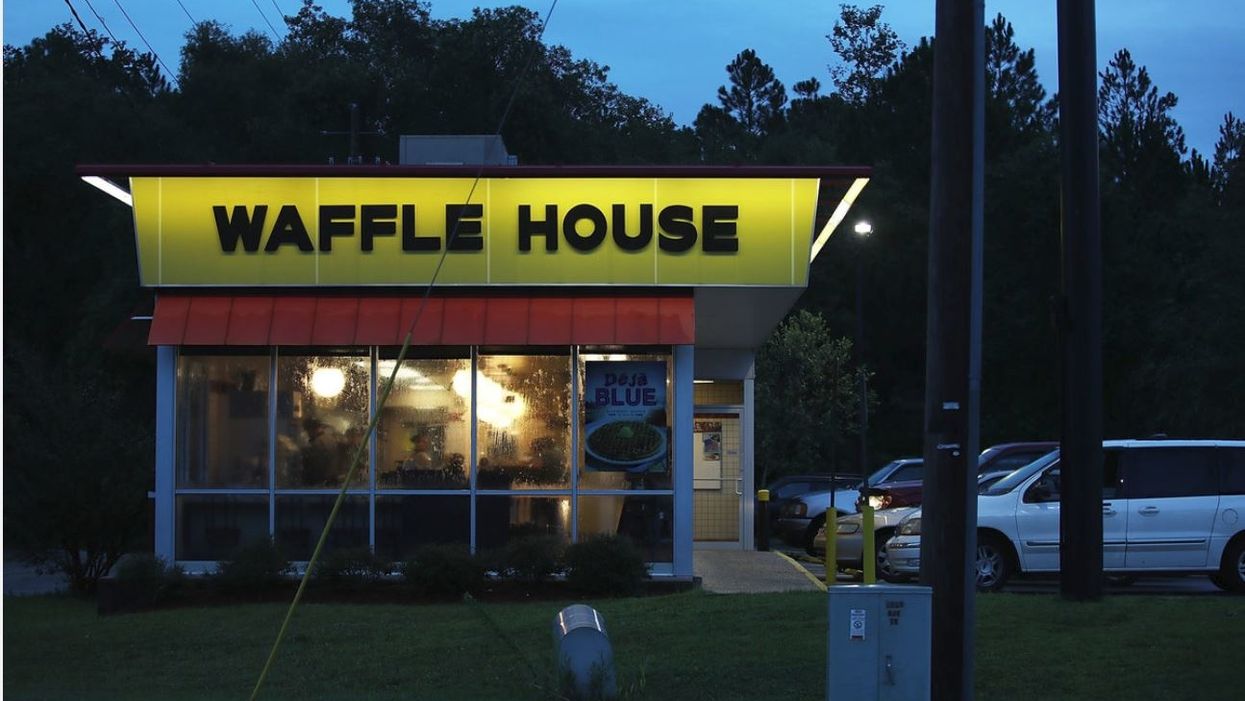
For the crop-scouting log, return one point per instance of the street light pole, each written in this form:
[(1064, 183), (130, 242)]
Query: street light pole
[(863, 230)]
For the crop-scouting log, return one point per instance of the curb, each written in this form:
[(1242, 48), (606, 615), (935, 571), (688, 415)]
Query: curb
[(819, 584)]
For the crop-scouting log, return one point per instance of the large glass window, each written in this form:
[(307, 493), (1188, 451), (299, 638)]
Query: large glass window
[(322, 417), (404, 523), (625, 421), (213, 526), (523, 403), (647, 520), (301, 519), (424, 434), (501, 518), (222, 421)]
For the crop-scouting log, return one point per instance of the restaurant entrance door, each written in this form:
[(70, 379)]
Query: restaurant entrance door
[(717, 459)]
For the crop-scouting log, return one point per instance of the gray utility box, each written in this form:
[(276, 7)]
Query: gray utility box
[(879, 643)]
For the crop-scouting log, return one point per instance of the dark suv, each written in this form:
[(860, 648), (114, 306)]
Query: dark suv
[(997, 461)]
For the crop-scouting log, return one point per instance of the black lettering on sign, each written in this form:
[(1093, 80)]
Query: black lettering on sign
[(289, 228), (376, 220), (678, 232), (719, 228), (410, 242), (584, 242), (467, 236), (239, 226), (642, 238), (335, 220), (547, 228)]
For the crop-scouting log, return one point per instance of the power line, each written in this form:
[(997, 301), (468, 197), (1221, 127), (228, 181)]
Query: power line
[(101, 21), (192, 19), (270, 27), (150, 48), (280, 12), (384, 393)]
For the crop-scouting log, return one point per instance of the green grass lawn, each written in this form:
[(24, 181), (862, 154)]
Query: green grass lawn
[(684, 646)]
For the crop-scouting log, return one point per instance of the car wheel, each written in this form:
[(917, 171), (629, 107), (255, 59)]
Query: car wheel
[(811, 533), (1232, 568), (994, 564), (885, 572)]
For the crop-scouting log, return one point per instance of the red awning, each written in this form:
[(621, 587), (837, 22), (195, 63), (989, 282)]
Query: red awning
[(217, 320)]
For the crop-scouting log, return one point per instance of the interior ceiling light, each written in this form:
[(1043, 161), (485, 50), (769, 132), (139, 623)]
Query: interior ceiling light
[(494, 404), (328, 382), (109, 187)]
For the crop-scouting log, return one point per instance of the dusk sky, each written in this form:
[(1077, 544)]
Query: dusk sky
[(674, 52)]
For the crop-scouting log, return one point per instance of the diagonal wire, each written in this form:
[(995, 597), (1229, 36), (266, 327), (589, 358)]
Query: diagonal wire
[(172, 75), (192, 19), (101, 21), (388, 387), (280, 12), (270, 27)]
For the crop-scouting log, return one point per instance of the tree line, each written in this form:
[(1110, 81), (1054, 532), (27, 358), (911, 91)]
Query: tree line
[(1172, 232)]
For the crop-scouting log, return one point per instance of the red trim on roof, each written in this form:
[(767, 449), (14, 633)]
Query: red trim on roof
[(471, 171), (336, 320)]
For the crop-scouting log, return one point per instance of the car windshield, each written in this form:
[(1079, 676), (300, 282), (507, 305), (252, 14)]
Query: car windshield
[(1018, 477), (881, 473)]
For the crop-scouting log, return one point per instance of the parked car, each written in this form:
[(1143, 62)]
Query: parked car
[(785, 489), (1169, 506), (849, 540), (850, 537), (799, 519), (994, 463)]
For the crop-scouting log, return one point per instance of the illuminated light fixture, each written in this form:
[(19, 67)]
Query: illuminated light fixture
[(863, 228), (109, 187), (328, 382), (494, 405), (702, 382), (409, 376), (840, 212)]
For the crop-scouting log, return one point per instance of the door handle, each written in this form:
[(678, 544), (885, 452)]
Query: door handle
[(1148, 511)]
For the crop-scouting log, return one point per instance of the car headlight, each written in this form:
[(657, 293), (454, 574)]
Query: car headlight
[(847, 528), (911, 526), (797, 509), (879, 501)]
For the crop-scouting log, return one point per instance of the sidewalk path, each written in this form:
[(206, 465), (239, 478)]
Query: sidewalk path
[(747, 571)]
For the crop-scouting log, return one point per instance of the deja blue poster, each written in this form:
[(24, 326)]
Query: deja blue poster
[(625, 423)]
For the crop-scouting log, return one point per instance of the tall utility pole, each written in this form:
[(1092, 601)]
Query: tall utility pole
[(1080, 309), (953, 340)]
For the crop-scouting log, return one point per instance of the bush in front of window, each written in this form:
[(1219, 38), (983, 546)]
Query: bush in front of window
[(444, 572), (257, 566), (349, 568), (140, 582), (605, 565), (532, 558)]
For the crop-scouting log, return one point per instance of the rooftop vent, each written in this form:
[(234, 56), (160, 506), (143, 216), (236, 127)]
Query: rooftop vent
[(459, 150)]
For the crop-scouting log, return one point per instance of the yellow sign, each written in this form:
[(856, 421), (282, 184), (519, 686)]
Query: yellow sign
[(221, 231)]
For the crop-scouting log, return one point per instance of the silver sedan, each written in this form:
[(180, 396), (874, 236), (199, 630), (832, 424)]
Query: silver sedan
[(850, 539)]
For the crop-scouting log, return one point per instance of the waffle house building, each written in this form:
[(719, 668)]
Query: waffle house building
[(583, 363)]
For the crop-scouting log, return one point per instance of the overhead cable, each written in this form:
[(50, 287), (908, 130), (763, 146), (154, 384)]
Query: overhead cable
[(384, 392), (152, 49)]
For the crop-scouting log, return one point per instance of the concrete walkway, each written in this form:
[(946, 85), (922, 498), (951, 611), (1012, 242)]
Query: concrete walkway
[(748, 572)]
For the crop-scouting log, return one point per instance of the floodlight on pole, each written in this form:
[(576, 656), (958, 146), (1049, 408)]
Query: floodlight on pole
[(863, 228)]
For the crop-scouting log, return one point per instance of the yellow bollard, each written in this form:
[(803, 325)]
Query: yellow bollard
[(832, 550), (867, 556)]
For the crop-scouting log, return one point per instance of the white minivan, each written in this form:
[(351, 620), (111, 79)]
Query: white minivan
[(1169, 506)]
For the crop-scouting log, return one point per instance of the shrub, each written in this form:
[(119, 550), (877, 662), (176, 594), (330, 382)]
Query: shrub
[(607, 565), (444, 571), (351, 567), (146, 579), (533, 558), (254, 567)]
